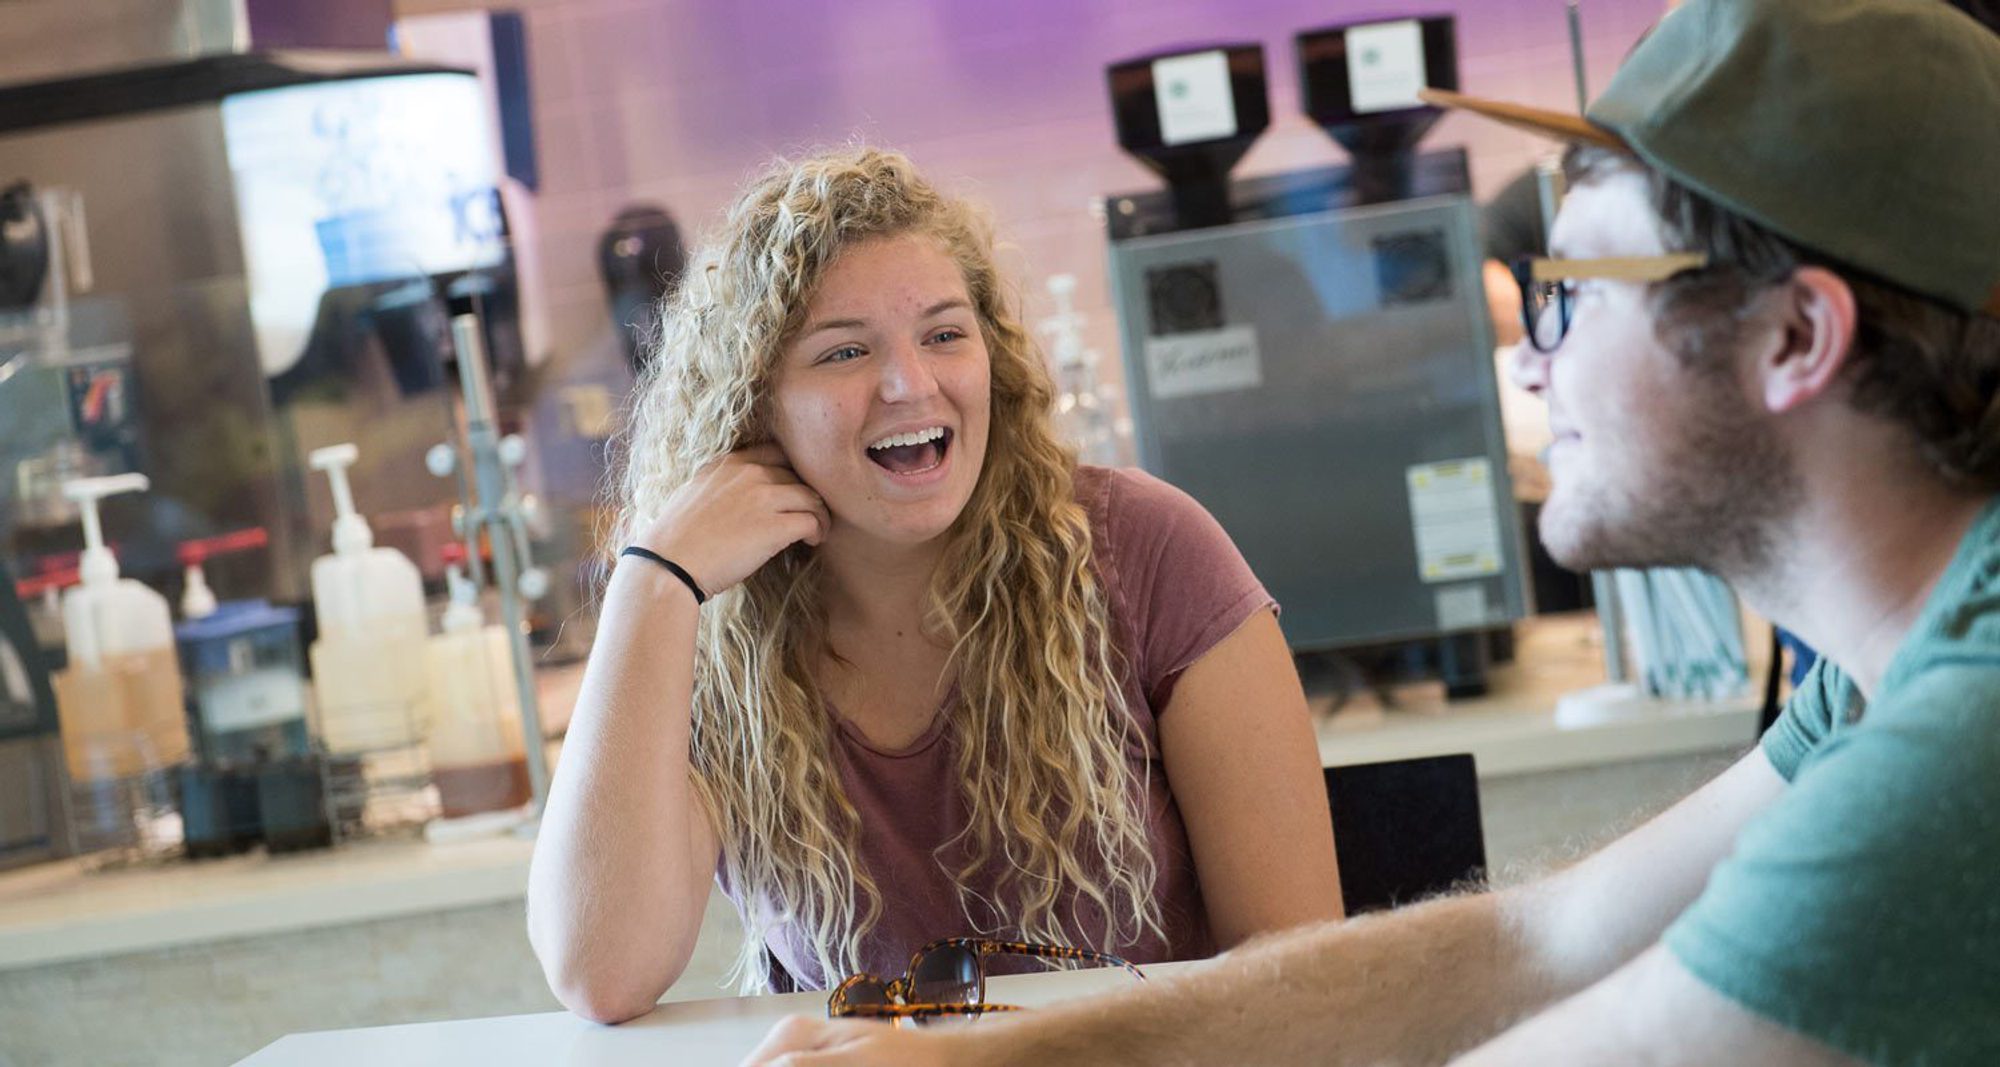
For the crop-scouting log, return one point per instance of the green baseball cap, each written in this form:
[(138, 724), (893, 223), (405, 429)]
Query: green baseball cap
[(1865, 130)]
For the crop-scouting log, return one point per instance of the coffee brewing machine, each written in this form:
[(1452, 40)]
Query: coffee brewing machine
[(1309, 354)]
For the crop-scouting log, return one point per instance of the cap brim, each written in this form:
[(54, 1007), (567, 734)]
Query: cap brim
[(1532, 119)]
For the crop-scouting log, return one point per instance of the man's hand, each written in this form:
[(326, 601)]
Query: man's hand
[(804, 1041)]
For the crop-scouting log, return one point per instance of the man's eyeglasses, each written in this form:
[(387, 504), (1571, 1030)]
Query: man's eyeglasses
[(946, 978), (1546, 298)]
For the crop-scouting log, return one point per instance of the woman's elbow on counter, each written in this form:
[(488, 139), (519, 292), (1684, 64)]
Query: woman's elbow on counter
[(591, 986), (602, 1003), (593, 994)]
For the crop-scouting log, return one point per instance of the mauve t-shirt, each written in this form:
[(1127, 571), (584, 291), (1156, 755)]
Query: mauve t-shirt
[(1176, 586)]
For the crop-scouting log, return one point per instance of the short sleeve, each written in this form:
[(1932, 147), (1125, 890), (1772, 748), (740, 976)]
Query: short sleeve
[(1182, 585), (1807, 718), (1863, 908)]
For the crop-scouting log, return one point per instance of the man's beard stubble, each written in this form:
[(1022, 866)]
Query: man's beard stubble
[(1721, 488)]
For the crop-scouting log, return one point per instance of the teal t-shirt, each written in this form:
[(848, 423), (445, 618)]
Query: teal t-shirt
[(1863, 908)]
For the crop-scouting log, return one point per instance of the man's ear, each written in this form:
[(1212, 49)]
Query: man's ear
[(1815, 338)]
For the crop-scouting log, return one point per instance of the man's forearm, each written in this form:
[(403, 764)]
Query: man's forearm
[(1413, 986)]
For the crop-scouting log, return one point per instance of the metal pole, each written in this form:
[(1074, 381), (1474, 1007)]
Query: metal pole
[(496, 513), (1576, 55)]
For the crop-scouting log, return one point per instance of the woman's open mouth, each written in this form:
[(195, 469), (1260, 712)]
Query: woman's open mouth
[(911, 453)]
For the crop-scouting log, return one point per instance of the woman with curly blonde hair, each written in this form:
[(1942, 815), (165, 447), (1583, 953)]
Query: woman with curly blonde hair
[(898, 668)]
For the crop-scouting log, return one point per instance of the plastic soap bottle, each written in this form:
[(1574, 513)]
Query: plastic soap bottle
[(119, 700), (369, 677), (477, 757)]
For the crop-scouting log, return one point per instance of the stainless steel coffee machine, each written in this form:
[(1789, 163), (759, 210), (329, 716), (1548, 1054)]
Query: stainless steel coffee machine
[(1308, 354)]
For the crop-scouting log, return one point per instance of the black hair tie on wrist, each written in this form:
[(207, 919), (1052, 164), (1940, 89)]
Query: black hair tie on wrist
[(677, 570)]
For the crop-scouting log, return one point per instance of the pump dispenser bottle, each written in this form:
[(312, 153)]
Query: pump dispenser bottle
[(369, 677), (119, 700), (476, 751)]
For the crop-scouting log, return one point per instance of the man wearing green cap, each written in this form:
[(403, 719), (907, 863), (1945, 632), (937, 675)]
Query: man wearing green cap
[(1769, 338)]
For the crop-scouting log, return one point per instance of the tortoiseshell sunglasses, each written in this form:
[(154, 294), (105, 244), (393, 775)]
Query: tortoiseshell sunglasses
[(946, 977)]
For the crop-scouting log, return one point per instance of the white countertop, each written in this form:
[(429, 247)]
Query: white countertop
[(1514, 729), (689, 1034), (56, 912)]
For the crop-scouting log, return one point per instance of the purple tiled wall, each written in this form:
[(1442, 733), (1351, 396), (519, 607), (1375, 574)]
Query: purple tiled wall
[(675, 101)]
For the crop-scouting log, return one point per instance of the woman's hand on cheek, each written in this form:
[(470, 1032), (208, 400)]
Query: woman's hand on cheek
[(737, 513)]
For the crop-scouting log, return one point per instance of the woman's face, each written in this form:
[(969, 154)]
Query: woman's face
[(882, 401)]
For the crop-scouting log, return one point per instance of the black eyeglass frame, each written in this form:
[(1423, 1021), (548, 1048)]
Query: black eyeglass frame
[(1541, 278)]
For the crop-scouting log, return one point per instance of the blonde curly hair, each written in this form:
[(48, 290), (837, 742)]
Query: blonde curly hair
[(1051, 765)]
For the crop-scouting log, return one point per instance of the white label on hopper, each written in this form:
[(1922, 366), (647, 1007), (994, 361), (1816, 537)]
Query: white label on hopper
[(1385, 66), (1457, 525), (1461, 607), (1193, 94), (1211, 361)]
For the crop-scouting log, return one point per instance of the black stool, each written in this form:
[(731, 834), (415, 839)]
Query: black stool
[(1406, 829)]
